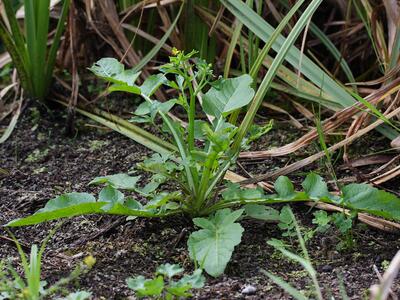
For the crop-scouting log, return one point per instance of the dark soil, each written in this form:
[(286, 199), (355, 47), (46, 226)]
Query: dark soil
[(42, 163)]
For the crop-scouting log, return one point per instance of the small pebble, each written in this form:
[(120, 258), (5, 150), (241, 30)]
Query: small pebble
[(249, 290), (327, 268)]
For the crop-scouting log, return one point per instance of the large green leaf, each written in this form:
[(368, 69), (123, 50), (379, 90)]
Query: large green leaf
[(119, 181), (261, 212), (366, 198), (213, 245), (227, 95), (77, 204), (359, 197), (112, 70)]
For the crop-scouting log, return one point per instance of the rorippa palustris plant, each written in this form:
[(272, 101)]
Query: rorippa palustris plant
[(204, 149)]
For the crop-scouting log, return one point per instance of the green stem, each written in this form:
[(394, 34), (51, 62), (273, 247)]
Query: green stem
[(17, 57), (218, 206), (181, 149), (205, 178), (192, 113)]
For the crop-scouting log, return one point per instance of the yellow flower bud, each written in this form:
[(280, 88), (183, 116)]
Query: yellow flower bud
[(89, 261), (25, 293), (175, 51)]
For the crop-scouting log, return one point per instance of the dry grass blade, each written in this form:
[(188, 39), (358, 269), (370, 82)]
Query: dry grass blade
[(386, 165), (5, 59), (393, 173), (147, 36), (72, 26), (293, 120), (110, 13), (306, 161), (369, 160), (382, 291), (161, 3), (372, 221), (176, 41), (217, 19), (395, 143), (233, 177), (13, 122), (90, 11), (393, 20), (332, 123), (378, 274)]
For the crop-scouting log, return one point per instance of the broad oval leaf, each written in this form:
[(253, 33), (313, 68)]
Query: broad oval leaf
[(119, 181), (227, 95), (285, 188), (213, 245), (369, 199), (112, 70), (315, 187), (110, 194), (66, 205), (78, 204), (261, 212), (107, 67)]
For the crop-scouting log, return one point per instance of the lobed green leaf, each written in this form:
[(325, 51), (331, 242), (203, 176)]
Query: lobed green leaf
[(227, 95), (213, 245)]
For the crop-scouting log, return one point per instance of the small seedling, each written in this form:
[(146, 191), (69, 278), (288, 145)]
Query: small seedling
[(286, 223), (322, 220), (30, 286), (163, 286), (343, 222), (37, 155)]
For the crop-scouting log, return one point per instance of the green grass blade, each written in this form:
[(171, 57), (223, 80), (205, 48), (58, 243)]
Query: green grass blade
[(375, 111), (232, 45), (159, 45), (261, 57), (138, 137), (309, 69), (264, 52), (330, 47), (42, 29), (269, 77), (51, 58), (395, 55), (305, 89), (191, 174), (30, 33), (17, 35), (16, 56), (333, 50), (33, 277), (286, 286), (22, 255)]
